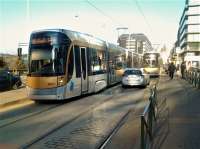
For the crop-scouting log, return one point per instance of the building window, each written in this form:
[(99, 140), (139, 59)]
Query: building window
[(140, 47), (194, 37), (194, 2), (194, 10), (193, 19), (194, 28)]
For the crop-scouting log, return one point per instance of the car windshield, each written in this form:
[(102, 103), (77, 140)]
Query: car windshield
[(3, 73), (132, 72)]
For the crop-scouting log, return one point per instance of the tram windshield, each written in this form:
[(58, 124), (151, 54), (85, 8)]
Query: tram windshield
[(47, 54), (150, 60)]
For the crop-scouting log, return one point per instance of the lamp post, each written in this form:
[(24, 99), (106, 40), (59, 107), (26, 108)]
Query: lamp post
[(20, 64), (122, 29)]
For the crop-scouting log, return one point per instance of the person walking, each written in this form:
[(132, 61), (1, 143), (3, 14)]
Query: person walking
[(183, 67), (171, 70)]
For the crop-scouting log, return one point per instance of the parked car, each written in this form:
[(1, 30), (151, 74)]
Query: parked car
[(135, 77), (9, 81)]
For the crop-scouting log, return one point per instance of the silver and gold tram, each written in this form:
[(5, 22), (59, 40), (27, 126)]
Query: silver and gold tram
[(64, 64), (151, 63)]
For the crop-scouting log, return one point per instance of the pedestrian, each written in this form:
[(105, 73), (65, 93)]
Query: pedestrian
[(183, 67), (171, 70)]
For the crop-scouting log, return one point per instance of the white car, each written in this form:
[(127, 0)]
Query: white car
[(135, 77)]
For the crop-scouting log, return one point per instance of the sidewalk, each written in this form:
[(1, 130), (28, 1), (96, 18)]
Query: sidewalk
[(178, 131), (183, 130), (12, 96)]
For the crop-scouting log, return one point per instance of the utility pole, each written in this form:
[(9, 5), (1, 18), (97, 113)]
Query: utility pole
[(20, 64)]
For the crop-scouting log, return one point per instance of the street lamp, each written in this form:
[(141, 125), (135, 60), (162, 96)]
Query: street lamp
[(121, 29)]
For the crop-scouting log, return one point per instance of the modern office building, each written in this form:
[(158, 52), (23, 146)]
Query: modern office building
[(138, 43), (188, 37)]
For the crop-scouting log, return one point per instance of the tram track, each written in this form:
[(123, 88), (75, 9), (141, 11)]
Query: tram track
[(51, 112), (97, 116), (48, 109), (28, 116), (45, 128), (120, 121), (27, 145), (115, 129)]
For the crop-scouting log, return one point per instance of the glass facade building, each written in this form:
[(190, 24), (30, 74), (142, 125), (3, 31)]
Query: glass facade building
[(188, 37), (138, 43)]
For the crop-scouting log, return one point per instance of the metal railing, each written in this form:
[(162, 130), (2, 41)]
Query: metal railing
[(148, 118), (193, 77)]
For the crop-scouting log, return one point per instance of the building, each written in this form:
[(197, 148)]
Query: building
[(188, 37), (138, 43)]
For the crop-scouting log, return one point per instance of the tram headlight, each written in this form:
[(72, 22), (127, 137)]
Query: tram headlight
[(61, 81)]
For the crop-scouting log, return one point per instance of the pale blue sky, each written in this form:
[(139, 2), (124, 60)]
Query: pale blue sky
[(18, 18)]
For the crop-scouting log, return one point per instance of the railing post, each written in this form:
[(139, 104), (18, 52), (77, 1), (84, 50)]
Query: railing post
[(195, 83), (150, 117), (199, 80), (142, 133), (192, 78), (147, 119), (143, 146)]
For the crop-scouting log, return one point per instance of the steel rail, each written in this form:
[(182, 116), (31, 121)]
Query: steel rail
[(115, 129)]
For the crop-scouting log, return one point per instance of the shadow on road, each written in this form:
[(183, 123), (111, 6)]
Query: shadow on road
[(162, 128)]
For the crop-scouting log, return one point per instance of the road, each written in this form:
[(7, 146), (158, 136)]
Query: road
[(86, 121)]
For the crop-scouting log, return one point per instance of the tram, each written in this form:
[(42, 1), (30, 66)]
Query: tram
[(151, 63), (64, 64)]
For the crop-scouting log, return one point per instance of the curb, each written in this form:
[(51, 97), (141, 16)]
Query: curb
[(11, 103)]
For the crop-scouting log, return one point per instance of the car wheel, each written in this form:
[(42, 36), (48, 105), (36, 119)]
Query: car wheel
[(123, 86), (144, 85), (16, 85)]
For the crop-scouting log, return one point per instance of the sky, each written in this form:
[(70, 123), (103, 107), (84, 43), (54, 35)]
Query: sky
[(157, 19)]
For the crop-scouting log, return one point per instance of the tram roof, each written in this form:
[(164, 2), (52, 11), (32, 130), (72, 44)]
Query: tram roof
[(75, 35), (84, 37)]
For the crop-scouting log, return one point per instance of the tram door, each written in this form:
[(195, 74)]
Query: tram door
[(84, 75)]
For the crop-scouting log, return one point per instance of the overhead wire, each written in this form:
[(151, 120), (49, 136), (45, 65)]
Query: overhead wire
[(143, 15), (117, 23)]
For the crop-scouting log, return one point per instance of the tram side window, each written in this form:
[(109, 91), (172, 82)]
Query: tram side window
[(70, 64), (98, 61), (120, 62), (77, 61), (89, 61)]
